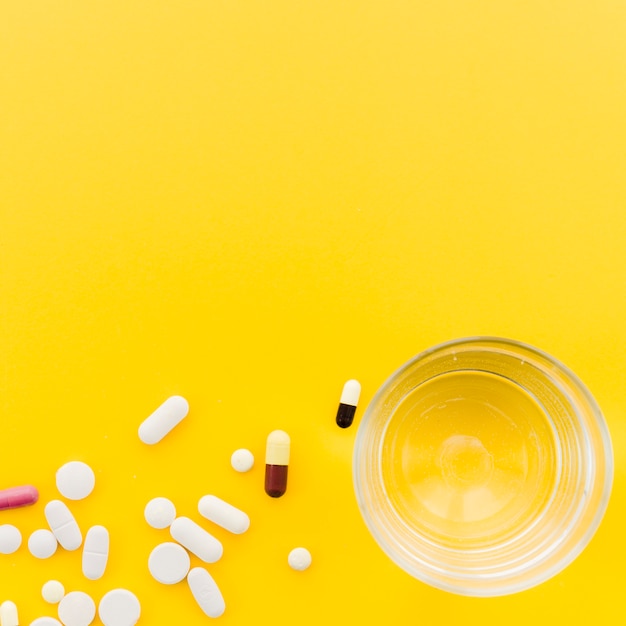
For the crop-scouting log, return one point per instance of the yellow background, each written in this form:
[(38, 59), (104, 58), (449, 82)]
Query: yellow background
[(250, 202)]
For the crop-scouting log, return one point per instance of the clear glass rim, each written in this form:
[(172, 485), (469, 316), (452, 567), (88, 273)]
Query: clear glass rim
[(492, 587)]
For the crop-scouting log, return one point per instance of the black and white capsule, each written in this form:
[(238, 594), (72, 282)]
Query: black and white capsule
[(348, 402)]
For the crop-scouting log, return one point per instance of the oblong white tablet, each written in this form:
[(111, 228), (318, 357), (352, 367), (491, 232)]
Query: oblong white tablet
[(119, 607), (77, 609), (63, 525), (169, 563), (95, 552), (8, 614), (53, 591), (223, 514), (160, 512), (163, 420), (197, 540), (46, 621), (10, 539), (206, 592), (75, 480)]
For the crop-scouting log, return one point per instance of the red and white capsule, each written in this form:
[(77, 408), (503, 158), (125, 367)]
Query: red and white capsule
[(276, 463)]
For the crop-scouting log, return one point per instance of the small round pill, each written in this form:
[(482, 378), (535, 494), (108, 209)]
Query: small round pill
[(75, 480), (46, 621), (160, 512), (77, 609), (242, 460), (169, 563), (10, 539), (299, 559), (119, 607), (42, 544), (53, 592)]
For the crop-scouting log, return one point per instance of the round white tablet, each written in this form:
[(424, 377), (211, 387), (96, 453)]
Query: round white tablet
[(169, 563), (160, 512), (46, 621), (242, 460), (299, 559), (77, 609), (53, 591), (75, 480), (10, 539), (42, 544), (119, 607)]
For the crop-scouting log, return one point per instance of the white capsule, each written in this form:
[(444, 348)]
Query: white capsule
[(53, 592), (163, 420), (63, 525), (75, 480), (119, 607), (206, 592), (77, 609), (95, 552), (299, 559), (160, 512), (169, 563), (8, 614), (46, 621), (42, 544), (223, 514), (197, 540), (10, 539), (242, 460)]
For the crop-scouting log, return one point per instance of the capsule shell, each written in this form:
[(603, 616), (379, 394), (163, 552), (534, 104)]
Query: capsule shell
[(15, 497), (348, 403), (276, 462)]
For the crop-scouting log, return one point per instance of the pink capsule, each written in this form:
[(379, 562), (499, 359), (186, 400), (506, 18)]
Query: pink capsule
[(18, 496)]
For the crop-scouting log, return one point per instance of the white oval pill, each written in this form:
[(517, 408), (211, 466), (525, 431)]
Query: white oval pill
[(206, 592), (63, 525), (10, 539), (197, 540), (119, 607), (160, 512), (95, 552), (8, 614), (163, 420), (75, 480), (299, 559), (42, 544), (223, 514), (46, 621), (53, 591), (169, 563), (77, 609), (242, 460)]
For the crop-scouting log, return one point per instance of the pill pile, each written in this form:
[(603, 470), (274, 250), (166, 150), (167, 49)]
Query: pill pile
[(169, 562), (75, 481)]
